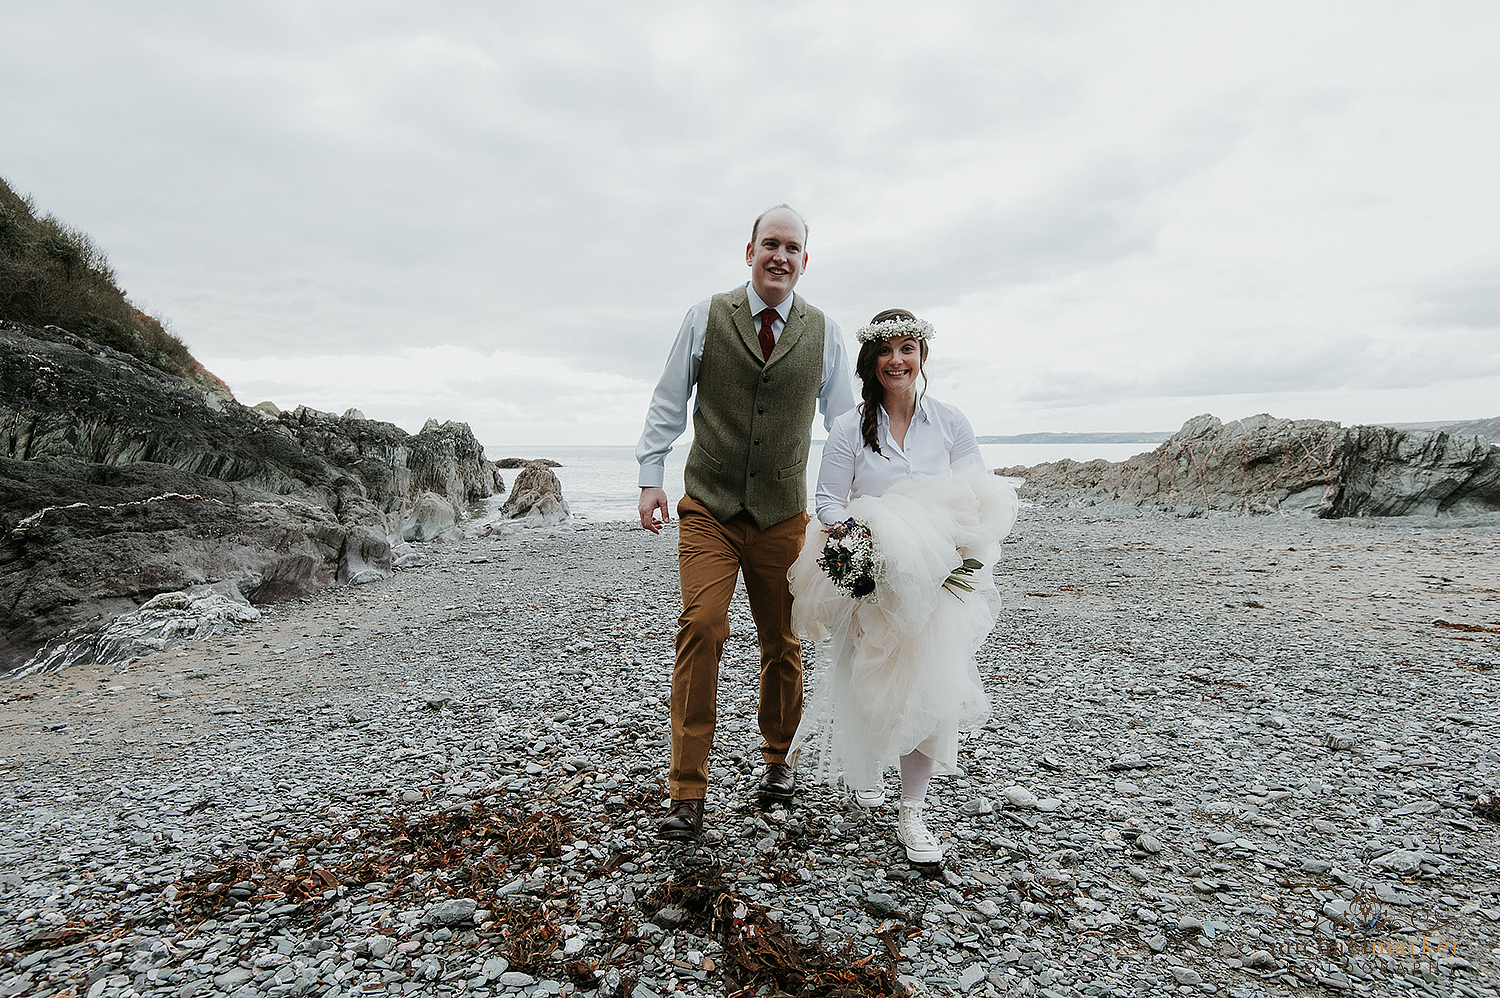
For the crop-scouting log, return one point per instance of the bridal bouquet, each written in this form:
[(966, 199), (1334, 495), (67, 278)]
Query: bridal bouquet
[(850, 560)]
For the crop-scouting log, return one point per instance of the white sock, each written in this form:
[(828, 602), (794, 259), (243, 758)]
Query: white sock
[(916, 772)]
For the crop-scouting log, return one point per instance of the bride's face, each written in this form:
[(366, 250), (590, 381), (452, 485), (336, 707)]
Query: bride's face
[(897, 364)]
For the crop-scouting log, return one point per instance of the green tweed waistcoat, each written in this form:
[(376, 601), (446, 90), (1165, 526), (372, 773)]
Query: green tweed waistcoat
[(751, 427)]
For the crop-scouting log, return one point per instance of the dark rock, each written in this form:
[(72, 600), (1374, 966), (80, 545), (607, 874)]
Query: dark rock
[(1262, 465), (395, 468), (511, 463), (82, 543), (63, 396), (119, 482)]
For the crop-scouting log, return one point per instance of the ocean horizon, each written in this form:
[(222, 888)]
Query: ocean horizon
[(599, 481)]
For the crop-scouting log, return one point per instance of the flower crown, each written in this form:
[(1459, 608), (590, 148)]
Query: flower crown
[(892, 328)]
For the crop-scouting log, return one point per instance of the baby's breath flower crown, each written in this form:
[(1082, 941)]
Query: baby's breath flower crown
[(891, 328)]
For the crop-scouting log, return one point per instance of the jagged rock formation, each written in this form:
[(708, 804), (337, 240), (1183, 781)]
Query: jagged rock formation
[(119, 482), (396, 468), (1263, 464), (536, 496), (66, 397)]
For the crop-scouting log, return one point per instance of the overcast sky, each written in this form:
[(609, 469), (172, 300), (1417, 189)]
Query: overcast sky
[(1117, 214)]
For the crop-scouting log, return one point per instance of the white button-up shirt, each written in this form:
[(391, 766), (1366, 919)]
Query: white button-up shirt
[(939, 440), (667, 417)]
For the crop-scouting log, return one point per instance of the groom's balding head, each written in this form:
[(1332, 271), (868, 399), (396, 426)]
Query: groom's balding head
[(793, 212)]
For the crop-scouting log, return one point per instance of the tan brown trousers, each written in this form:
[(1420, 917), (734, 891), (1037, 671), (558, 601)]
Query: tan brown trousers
[(710, 556)]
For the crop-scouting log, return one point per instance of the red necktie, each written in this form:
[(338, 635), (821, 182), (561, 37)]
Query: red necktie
[(767, 341)]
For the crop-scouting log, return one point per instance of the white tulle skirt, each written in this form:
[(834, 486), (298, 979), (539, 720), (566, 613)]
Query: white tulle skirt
[(901, 674)]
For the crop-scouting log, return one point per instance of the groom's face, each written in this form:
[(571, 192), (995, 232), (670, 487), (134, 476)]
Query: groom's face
[(777, 256)]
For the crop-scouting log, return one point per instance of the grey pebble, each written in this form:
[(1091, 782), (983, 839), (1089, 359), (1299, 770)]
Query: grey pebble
[(1184, 975), (451, 912)]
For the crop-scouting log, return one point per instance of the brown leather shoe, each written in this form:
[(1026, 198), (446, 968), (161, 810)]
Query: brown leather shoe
[(684, 822), (779, 783)]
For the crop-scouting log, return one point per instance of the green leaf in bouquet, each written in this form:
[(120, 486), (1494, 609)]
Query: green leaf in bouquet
[(960, 576)]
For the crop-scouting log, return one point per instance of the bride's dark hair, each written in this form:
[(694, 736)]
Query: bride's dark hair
[(872, 391)]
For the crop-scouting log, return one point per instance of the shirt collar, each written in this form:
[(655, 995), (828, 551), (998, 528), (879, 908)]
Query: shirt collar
[(757, 306), (884, 417)]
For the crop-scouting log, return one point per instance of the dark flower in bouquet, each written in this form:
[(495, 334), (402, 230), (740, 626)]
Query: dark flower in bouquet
[(850, 559)]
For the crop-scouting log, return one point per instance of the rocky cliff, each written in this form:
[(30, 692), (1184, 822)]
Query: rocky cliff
[(1262, 464), (119, 482)]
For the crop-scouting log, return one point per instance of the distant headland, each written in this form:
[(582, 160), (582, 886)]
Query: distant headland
[(1080, 438)]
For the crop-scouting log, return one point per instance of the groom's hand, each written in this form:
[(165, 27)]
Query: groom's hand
[(653, 499)]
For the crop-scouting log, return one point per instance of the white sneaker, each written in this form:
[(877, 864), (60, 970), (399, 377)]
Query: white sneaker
[(870, 798), (921, 845)]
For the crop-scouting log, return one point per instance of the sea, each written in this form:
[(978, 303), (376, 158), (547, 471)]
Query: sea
[(599, 483)]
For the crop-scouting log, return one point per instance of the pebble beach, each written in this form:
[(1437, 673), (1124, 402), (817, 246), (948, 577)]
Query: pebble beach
[(1228, 755)]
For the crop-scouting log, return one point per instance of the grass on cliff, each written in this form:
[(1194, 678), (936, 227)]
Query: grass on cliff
[(54, 275)]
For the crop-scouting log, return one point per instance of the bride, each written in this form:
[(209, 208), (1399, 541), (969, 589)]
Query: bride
[(903, 681)]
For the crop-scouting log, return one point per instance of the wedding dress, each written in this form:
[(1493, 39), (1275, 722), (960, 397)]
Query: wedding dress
[(902, 674)]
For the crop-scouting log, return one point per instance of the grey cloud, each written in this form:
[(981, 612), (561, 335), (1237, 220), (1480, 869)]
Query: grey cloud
[(1470, 300), (474, 189), (1089, 221), (1250, 366), (316, 181), (1101, 212)]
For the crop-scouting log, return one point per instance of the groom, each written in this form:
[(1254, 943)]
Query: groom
[(760, 358)]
